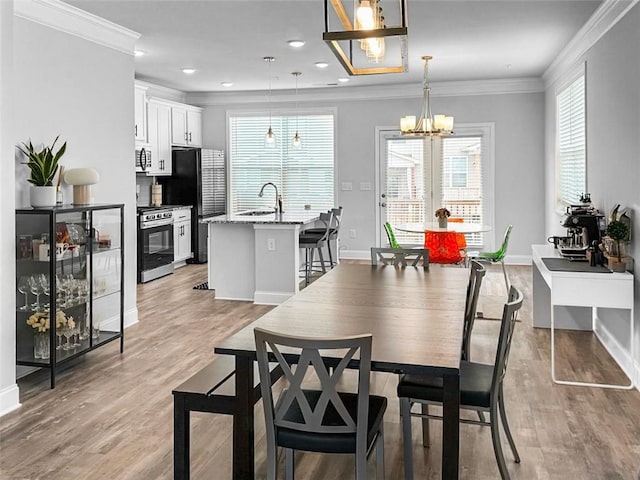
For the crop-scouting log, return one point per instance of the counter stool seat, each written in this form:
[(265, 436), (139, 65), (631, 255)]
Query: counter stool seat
[(312, 241)]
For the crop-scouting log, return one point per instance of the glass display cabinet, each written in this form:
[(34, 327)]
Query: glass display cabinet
[(69, 283)]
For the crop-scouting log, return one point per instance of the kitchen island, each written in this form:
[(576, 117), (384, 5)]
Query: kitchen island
[(256, 257)]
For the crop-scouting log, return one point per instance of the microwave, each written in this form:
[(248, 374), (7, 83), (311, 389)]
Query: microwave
[(143, 159)]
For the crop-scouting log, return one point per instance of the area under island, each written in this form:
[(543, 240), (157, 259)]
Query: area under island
[(256, 257)]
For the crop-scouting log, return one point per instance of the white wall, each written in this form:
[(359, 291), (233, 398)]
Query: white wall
[(8, 388), (83, 91), (613, 138), (519, 159)]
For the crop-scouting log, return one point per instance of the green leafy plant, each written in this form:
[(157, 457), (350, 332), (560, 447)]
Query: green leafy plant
[(617, 231), (43, 163)]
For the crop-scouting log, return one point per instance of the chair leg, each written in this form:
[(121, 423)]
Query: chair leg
[(330, 254), (426, 440), (288, 464), (272, 462), (310, 266), (497, 446), (507, 430), (504, 272), (380, 453), (405, 412)]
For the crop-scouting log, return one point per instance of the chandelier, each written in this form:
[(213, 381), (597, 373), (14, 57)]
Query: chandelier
[(297, 140), (270, 137), (428, 125), (367, 27)]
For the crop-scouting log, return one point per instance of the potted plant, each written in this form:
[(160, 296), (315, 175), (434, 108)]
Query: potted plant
[(44, 166), (617, 231), (442, 214)]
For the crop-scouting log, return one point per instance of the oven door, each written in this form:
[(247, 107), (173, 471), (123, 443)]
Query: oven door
[(155, 247)]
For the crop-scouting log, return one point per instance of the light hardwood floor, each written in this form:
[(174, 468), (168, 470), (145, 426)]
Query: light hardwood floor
[(110, 416)]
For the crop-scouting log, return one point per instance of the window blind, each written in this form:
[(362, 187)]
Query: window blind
[(303, 176), (571, 154)]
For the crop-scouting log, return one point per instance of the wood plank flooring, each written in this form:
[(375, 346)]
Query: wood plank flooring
[(110, 416)]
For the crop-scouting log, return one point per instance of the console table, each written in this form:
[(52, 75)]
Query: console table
[(557, 293)]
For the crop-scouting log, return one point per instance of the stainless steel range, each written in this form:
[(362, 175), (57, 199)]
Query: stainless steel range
[(155, 243)]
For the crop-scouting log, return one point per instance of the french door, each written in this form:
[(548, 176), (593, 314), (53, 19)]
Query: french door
[(416, 176)]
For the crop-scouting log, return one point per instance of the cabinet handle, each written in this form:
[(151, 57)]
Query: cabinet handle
[(135, 129), (186, 136), (189, 137)]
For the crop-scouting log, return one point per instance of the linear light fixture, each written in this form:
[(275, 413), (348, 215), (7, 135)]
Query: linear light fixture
[(355, 32)]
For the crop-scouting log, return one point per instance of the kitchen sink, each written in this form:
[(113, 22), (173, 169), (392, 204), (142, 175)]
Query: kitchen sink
[(256, 213)]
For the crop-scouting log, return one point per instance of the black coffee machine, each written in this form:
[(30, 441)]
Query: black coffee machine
[(584, 225)]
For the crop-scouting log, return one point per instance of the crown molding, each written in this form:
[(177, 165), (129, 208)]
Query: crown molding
[(603, 19), (161, 92), (388, 92), (69, 19)]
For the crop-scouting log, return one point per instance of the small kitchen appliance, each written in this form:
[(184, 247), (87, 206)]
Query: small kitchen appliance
[(584, 226)]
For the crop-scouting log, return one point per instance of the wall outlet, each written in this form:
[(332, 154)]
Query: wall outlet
[(353, 233), (271, 244)]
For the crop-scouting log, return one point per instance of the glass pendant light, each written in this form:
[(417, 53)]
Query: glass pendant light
[(297, 140), (270, 137)]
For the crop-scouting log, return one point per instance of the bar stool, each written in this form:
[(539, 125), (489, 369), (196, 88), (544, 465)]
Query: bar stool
[(312, 241), (334, 231)]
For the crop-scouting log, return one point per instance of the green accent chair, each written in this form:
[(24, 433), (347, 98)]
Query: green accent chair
[(393, 243), (497, 256)]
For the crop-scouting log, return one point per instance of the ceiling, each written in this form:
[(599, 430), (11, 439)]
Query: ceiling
[(225, 41)]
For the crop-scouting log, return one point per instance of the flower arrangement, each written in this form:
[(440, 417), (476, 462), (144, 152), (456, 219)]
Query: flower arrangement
[(40, 321), (442, 213)]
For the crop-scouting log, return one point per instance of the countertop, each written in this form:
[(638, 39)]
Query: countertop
[(299, 217)]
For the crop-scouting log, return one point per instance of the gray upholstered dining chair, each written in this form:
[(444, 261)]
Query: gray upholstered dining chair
[(400, 256), (481, 389), (322, 419)]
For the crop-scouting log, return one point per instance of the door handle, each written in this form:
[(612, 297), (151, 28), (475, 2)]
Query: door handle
[(383, 195), (382, 204)]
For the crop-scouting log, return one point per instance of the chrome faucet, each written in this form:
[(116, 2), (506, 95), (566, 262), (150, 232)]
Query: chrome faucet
[(278, 197)]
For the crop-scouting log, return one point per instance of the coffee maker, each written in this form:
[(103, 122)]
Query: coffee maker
[(584, 225)]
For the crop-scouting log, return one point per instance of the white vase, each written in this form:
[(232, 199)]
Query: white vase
[(42, 196)]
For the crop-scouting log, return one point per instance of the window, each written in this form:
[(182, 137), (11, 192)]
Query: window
[(303, 176), (571, 143), (455, 172)]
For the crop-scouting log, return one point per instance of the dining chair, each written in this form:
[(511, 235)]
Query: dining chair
[(334, 231), (481, 390), (443, 247), (391, 236), (315, 241), (323, 419), (400, 256), (497, 256)]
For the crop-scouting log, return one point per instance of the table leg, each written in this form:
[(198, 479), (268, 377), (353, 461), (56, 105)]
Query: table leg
[(451, 427), (181, 440), (243, 442)]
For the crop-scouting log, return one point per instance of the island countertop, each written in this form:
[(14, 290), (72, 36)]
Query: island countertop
[(300, 217)]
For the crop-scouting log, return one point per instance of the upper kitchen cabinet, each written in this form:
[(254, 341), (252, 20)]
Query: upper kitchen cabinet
[(159, 137), (186, 126), (140, 128)]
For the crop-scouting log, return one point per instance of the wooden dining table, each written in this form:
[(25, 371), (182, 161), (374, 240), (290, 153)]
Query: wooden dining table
[(415, 316)]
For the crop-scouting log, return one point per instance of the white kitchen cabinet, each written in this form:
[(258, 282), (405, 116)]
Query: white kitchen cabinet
[(181, 234), (140, 108), (159, 126), (186, 126)]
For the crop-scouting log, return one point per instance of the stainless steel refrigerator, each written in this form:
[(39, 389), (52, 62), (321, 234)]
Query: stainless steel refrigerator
[(198, 178)]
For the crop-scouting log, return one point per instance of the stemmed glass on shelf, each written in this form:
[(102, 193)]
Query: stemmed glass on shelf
[(23, 287), (35, 286), (46, 288)]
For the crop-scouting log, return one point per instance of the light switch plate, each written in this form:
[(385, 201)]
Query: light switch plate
[(346, 186), (365, 186)]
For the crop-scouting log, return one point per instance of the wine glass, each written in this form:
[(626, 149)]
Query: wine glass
[(36, 288), (23, 287), (46, 287)]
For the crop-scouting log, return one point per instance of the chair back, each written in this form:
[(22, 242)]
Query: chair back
[(393, 243), (509, 315), (326, 219), (473, 292), (502, 251), (400, 256), (301, 357), (442, 246), (337, 218)]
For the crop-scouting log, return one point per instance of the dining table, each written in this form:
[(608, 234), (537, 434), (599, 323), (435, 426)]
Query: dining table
[(458, 227), (414, 314)]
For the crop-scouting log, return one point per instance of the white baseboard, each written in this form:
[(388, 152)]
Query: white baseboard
[(9, 399), (270, 298)]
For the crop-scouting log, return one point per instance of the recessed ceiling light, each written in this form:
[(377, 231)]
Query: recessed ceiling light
[(296, 43), (188, 71), (226, 84), (138, 53), (322, 64), (343, 80)]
